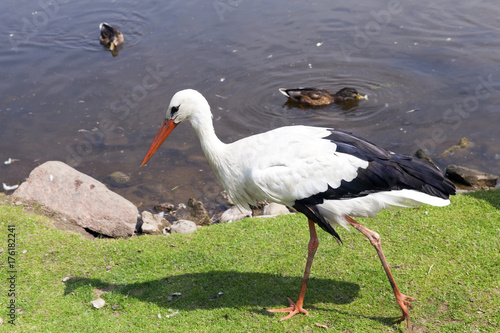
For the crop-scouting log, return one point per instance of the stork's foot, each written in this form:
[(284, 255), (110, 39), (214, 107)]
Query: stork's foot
[(293, 309), (404, 303)]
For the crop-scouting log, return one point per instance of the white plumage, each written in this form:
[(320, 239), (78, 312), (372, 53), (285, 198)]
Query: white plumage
[(278, 168), (328, 175)]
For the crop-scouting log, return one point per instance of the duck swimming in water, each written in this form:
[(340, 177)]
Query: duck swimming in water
[(110, 36), (319, 97)]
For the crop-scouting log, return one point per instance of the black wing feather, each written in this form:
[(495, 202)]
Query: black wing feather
[(386, 171)]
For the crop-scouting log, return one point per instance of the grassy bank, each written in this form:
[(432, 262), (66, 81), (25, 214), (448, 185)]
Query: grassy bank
[(447, 258)]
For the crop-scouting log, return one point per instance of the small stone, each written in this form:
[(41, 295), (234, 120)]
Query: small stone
[(183, 227), (1, 321), (98, 303), (194, 211), (25, 251), (234, 214), (165, 207), (116, 306), (421, 154), (153, 224), (274, 209), (198, 212), (66, 278)]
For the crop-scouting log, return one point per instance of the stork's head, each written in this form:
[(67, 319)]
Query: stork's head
[(186, 104)]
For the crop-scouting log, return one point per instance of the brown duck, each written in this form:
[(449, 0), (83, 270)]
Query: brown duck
[(110, 36), (318, 97)]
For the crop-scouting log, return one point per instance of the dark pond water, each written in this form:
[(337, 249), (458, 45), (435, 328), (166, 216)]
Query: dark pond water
[(430, 69)]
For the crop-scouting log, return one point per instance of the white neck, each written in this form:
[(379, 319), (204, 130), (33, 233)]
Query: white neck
[(213, 148), (225, 159)]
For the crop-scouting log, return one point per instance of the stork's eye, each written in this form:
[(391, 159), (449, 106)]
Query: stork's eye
[(174, 109)]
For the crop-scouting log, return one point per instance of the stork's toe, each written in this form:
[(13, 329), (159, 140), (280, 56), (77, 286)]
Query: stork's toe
[(404, 303), (292, 310)]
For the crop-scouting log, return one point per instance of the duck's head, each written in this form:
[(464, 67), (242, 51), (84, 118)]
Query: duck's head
[(185, 105), (110, 36), (349, 93)]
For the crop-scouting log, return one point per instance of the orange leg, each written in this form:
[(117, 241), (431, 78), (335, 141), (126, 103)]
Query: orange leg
[(374, 238), (295, 308)]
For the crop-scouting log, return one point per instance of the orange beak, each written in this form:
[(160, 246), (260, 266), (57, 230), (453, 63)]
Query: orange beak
[(163, 132)]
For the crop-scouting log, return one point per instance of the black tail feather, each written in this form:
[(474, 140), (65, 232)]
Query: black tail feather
[(312, 213)]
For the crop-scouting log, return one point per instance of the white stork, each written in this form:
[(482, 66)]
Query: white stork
[(328, 175)]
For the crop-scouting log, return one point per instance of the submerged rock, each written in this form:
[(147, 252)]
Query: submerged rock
[(463, 143), (118, 179), (82, 198), (471, 177)]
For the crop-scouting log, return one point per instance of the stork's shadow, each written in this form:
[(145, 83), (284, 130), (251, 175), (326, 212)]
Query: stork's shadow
[(228, 289), (217, 289)]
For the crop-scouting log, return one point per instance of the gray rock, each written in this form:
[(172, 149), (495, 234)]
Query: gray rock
[(471, 177), (273, 209), (85, 200), (234, 214), (153, 224), (183, 227)]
